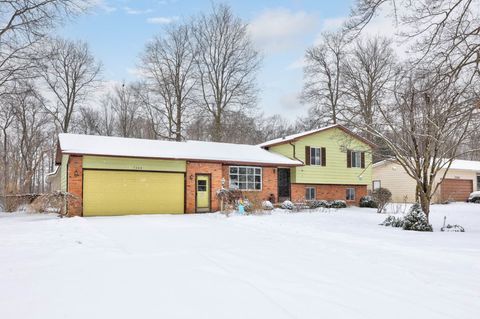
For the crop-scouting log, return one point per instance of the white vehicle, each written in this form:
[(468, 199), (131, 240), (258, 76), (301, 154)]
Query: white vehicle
[(474, 197)]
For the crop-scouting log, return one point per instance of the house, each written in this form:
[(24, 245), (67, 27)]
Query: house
[(115, 176), (462, 178)]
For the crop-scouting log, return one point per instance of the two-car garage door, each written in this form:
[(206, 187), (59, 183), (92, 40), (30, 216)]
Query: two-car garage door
[(132, 192)]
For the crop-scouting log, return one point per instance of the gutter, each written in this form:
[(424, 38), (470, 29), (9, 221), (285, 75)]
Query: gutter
[(294, 153)]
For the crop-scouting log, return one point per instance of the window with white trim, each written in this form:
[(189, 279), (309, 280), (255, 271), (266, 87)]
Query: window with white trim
[(356, 159), (245, 178), (310, 193), (377, 184), (315, 156), (350, 194)]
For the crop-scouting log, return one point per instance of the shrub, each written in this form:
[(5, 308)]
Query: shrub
[(338, 204), (453, 228), (393, 221), (288, 205), (267, 205), (416, 219), (367, 201), (312, 204), (381, 196)]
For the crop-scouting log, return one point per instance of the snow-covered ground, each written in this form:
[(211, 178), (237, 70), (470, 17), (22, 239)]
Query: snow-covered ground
[(339, 264)]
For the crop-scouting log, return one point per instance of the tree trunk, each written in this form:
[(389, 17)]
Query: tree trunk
[(425, 204), (217, 129)]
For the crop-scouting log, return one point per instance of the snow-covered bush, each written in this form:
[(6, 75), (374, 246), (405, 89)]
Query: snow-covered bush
[(267, 205), (381, 196), (367, 201), (415, 220), (338, 204), (393, 221), (318, 204), (288, 205)]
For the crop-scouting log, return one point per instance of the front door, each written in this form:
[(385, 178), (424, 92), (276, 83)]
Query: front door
[(283, 184), (203, 193)]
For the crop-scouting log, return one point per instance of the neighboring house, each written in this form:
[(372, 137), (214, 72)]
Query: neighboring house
[(115, 176), (462, 178)]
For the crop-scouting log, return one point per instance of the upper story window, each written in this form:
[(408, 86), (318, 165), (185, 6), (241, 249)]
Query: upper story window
[(355, 159), (245, 177), (315, 156)]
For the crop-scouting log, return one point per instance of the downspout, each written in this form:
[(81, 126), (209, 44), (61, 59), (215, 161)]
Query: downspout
[(294, 153)]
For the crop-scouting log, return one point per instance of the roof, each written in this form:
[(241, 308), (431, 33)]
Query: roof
[(456, 164), (188, 150), (297, 136)]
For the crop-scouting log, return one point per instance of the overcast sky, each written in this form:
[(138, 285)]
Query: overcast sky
[(117, 31)]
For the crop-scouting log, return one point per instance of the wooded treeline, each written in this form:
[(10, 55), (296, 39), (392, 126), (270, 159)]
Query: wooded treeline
[(198, 81)]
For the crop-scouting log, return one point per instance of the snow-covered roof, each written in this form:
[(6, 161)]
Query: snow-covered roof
[(294, 137), (189, 150), (456, 164)]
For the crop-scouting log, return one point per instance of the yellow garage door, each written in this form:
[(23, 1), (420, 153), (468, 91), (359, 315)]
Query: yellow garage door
[(126, 192)]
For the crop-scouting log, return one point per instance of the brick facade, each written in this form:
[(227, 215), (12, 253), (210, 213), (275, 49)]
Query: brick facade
[(269, 184), (328, 192), (212, 169), (75, 185)]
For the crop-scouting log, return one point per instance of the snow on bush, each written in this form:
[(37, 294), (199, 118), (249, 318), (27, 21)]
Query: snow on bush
[(288, 205), (367, 201), (415, 220), (267, 205), (453, 228), (338, 204)]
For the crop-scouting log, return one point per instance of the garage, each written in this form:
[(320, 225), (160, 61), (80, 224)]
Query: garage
[(113, 192), (456, 189)]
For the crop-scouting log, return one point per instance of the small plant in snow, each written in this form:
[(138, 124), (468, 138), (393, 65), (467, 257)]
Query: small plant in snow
[(451, 228), (393, 221), (367, 201), (288, 205), (381, 196), (267, 205)]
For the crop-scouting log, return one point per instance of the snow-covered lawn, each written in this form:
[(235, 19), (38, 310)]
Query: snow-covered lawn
[(286, 265)]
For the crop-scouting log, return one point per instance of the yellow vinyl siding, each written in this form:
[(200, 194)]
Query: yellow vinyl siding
[(127, 163), (336, 143), (126, 192), (284, 149)]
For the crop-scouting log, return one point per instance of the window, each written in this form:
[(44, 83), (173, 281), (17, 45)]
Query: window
[(245, 177), (377, 185), (315, 156), (310, 193), (350, 194), (478, 182), (201, 186), (356, 159)]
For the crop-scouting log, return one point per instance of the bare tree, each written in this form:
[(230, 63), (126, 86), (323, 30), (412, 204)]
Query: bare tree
[(367, 71), (443, 34), (168, 63), (425, 126), (323, 78), (226, 63), (125, 106), (23, 24), (31, 123), (69, 72)]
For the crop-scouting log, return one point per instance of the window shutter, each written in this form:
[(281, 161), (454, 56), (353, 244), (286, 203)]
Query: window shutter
[(307, 155), (324, 157), (349, 158), (363, 160)]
